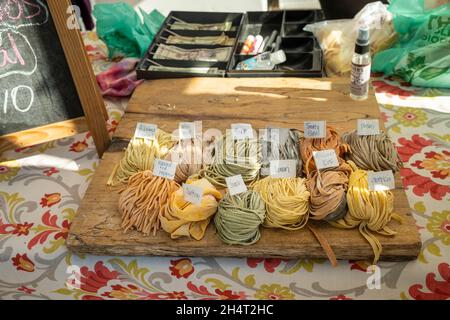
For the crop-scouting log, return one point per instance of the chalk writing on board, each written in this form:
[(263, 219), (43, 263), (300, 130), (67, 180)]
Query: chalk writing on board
[(22, 91), (22, 13), (36, 86), (14, 47), (12, 59)]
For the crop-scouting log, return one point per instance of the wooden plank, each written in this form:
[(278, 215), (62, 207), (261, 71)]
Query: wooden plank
[(219, 102), (82, 74), (43, 134)]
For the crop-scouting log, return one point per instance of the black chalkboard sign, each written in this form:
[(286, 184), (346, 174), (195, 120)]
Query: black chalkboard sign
[(48, 89), (36, 84)]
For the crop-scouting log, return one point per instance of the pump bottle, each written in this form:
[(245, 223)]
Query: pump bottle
[(361, 63)]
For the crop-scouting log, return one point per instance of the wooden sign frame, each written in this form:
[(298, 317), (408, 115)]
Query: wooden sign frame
[(95, 115)]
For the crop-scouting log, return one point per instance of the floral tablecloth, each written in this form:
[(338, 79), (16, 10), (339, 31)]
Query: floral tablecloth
[(41, 188)]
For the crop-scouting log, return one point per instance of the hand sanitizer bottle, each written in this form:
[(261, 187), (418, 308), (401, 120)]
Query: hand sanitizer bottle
[(361, 63)]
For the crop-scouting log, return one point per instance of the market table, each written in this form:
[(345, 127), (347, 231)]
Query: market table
[(41, 189)]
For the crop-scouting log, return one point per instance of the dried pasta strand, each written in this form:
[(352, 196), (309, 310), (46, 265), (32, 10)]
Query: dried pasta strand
[(188, 155), (332, 141), (325, 245), (287, 148), (286, 202), (369, 211), (328, 189), (181, 218), (140, 156), (143, 200), (233, 157), (373, 152), (238, 219)]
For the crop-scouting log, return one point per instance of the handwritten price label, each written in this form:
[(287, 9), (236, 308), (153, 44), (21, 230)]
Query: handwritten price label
[(283, 168), (164, 169), (187, 130), (241, 131), (381, 180), (146, 131), (325, 159), (368, 127), (315, 129), (235, 185), (193, 194)]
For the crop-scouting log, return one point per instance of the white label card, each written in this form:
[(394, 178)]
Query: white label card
[(368, 127), (192, 194), (235, 185), (186, 130), (283, 168), (270, 135), (325, 159), (241, 131), (164, 169), (381, 180), (145, 131), (315, 129)]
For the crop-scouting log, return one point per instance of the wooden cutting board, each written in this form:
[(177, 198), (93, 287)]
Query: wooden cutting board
[(283, 102)]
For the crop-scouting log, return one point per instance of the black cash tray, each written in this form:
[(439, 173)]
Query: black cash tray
[(304, 56)]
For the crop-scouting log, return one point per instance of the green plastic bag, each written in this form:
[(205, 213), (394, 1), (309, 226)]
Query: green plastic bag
[(119, 25), (422, 54)]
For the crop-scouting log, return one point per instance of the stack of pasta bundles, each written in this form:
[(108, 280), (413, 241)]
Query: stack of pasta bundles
[(339, 196)]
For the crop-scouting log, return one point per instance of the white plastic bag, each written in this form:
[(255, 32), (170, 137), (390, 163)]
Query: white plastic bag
[(337, 37)]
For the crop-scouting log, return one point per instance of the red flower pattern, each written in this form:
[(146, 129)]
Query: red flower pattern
[(175, 295), (20, 229), (422, 185), (408, 148), (93, 281), (91, 297), (78, 146), (26, 290), (18, 150), (269, 264), (181, 268), (391, 90), (341, 297), (438, 290), (113, 126), (218, 294), (23, 263), (359, 265), (50, 227), (132, 292), (51, 171), (431, 164), (384, 117), (50, 199)]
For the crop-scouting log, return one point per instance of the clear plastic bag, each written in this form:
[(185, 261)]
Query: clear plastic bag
[(337, 37)]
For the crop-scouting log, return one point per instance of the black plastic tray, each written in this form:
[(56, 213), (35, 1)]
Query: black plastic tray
[(192, 17), (304, 57)]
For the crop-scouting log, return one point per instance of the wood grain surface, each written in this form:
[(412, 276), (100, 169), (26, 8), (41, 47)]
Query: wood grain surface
[(285, 102), (43, 134)]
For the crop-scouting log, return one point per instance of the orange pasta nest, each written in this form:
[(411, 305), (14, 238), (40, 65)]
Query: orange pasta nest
[(332, 141), (142, 202)]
